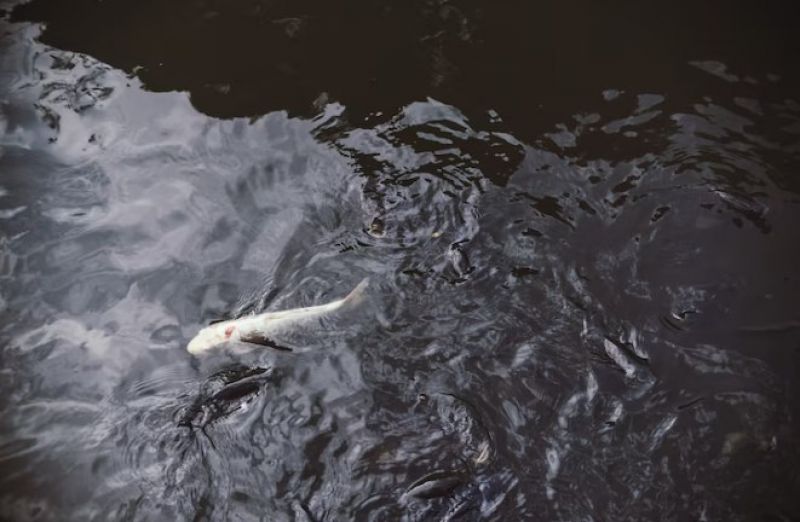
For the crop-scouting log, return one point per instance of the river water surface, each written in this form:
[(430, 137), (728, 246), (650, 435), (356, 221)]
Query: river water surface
[(579, 222)]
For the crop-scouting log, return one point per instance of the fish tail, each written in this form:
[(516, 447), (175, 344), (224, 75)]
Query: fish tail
[(356, 296)]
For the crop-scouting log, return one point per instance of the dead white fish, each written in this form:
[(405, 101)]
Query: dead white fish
[(258, 328)]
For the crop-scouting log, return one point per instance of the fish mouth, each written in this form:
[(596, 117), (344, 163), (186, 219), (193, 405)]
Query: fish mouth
[(196, 346), (203, 341)]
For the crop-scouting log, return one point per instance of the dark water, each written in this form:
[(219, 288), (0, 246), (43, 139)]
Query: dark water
[(579, 221)]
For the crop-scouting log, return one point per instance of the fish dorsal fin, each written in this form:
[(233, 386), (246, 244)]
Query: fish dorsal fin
[(264, 341)]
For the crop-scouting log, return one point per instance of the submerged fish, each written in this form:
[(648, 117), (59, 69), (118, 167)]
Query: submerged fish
[(257, 328), (223, 394)]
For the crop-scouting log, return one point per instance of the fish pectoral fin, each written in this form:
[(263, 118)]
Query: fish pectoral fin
[(264, 341)]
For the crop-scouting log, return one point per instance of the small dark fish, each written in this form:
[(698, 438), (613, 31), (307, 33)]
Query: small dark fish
[(436, 484), (222, 394), (459, 260), (236, 391)]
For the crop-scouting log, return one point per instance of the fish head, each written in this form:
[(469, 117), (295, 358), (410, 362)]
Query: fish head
[(206, 339)]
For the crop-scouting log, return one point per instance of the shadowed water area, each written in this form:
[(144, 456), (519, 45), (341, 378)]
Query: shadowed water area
[(579, 221)]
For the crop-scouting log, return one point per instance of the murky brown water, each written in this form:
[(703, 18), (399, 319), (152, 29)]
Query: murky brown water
[(579, 221)]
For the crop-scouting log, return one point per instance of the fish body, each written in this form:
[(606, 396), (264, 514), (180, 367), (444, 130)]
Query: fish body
[(257, 328), (223, 394)]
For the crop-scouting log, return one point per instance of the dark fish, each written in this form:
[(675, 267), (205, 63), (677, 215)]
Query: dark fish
[(436, 484), (222, 394)]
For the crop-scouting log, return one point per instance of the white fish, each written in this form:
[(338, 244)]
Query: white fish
[(257, 328)]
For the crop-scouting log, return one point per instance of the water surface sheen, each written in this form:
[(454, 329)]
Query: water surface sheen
[(579, 221)]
